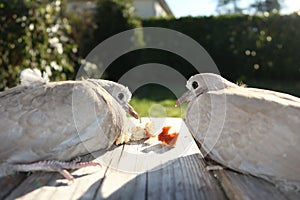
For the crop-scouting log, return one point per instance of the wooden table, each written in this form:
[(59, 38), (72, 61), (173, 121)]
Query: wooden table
[(139, 171)]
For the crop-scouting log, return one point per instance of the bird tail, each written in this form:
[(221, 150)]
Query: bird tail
[(33, 77)]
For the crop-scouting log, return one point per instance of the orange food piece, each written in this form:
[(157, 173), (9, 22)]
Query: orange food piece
[(166, 138)]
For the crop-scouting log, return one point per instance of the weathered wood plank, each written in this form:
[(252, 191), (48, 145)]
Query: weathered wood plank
[(139, 171), (9, 183), (137, 158), (42, 185), (32, 185), (160, 172), (241, 186), (183, 178)]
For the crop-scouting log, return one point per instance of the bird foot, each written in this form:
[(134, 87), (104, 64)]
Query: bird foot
[(55, 166)]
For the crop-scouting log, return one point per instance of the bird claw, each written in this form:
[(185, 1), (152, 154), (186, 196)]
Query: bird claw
[(67, 175), (55, 166), (74, 164)]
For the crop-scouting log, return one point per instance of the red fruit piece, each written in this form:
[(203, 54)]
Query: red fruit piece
[(166, 138)]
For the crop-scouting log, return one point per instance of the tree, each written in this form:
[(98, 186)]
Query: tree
[(228, 7), (262, 6), (111, 17)]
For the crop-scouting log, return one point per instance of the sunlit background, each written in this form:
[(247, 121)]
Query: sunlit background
[(254, 42), (183, 8)]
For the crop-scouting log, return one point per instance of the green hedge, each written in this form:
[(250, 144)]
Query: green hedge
[(245, 47), (110, 17), (259, 51)]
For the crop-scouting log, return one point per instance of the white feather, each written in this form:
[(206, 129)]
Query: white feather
[(33, 77)]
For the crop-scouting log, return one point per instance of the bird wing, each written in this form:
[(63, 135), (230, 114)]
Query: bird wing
[(58, 120), (273, 94), (249, 130)]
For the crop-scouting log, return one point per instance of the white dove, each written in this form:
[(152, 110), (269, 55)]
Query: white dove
[(44, 124), (249, 130)]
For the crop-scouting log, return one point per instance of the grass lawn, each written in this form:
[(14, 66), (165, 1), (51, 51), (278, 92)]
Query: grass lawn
[(154, 108), (155, 101)]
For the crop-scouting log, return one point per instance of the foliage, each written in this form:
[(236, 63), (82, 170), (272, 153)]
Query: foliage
[(259, 6), (266, 6), (251, 49), (244, 47), (34, 34), (83, 26), (224, 7), (110, 17)]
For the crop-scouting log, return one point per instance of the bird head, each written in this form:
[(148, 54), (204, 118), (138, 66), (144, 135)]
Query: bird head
[(202, 83), (119, 92)]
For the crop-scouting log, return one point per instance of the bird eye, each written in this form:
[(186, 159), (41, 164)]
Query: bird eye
[(121, 96), (194, 84)]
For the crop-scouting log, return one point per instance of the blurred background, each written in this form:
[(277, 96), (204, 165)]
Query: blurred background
[(255, 42)]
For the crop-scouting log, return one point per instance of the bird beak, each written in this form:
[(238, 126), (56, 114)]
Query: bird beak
[(184, 98), (187, 96), (129, 109)]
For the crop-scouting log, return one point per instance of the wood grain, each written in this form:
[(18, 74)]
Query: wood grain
[(139, 171)]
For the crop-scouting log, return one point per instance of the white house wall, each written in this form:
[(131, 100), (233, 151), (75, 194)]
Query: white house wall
[(144, 8)]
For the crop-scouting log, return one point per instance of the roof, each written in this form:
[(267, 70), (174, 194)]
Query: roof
[(166, 7)]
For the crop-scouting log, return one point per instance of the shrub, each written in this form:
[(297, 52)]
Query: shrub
[(245, 47), (110, 17), (34, 34)]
